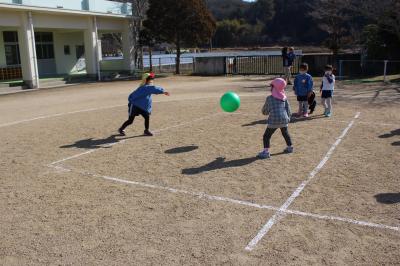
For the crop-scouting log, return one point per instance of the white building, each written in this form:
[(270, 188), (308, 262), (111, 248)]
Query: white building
[(40, 38)]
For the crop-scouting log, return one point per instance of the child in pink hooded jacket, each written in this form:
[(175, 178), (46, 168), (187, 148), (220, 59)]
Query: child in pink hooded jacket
[(278, 110)]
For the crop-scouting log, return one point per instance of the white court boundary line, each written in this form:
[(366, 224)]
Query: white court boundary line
[(57, 115), (202, 195), (109, 107), (281, 213), (123, 141)]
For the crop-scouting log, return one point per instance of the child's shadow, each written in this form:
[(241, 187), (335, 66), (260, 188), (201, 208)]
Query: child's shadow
[(392, 133), (254, 123), (388, 198), (219, 163), (97, 143), (296, 119)]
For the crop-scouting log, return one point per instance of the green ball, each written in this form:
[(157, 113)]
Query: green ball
[(230, 102)]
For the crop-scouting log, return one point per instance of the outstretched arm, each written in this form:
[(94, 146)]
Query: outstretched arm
[(156, 90)]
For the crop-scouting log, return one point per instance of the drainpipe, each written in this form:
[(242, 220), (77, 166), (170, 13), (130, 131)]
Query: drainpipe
[(34, 50), (97, 49)]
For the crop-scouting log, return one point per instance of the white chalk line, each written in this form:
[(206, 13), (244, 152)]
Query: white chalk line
[(341, 219), (108, 107), (202, 195), (57, 115), (123, 141), (281, 212)]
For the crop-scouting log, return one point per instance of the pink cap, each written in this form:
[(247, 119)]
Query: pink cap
[(279, 84)]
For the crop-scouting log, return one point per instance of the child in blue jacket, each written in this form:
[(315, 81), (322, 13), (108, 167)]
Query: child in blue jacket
[(140, 103), (303, 87)]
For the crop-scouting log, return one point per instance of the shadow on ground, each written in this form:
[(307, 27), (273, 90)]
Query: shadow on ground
[(388, 198), (219, 163), (182, 149), (97, 143), (392, 133), (293, 119), (296, 119), (258, 122)]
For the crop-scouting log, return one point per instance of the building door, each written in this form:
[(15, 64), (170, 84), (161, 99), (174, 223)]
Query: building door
[(45, 53)]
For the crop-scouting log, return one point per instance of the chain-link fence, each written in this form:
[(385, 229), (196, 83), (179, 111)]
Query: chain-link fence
[(376, 70), (168, 64)]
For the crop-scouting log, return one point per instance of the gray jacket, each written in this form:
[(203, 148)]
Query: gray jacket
[(278, 111)]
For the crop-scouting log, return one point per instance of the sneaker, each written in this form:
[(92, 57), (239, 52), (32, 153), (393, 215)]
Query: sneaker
[(305, 115), (121, 132), (264, 155), (328, 114), (148, 133), (288, 150)]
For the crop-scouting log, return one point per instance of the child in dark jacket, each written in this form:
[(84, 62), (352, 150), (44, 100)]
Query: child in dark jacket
[(140, 103), (303, 87), (278, 110), (288, 56)]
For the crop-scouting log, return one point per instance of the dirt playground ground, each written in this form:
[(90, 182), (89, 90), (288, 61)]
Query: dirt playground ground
[(73, 192)]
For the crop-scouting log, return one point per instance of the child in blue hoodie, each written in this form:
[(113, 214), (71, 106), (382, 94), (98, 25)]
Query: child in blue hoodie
[(140, 103), (303, 87)]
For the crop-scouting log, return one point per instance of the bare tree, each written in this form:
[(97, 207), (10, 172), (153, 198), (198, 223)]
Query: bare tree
[(333, 17), (385, 13), (139, 9), (183, 23)]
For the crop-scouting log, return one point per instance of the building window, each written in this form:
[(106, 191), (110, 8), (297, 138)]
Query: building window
[(80, 51), (11, 48), (67, 50), (44, 45)]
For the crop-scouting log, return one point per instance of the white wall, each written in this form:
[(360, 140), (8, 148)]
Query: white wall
[(2, 51), (68, 64), (59, 21), (10, 18)]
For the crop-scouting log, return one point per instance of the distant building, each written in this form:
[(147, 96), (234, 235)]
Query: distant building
[(41, 38)]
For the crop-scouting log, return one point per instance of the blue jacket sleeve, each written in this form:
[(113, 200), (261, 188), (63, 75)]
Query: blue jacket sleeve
[(156, 90), (295, 84), (310, 84)]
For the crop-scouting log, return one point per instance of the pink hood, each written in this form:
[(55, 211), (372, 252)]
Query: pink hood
[(278, 89)]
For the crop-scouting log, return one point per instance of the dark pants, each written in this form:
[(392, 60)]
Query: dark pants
[(270, 131), (133, 112)]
